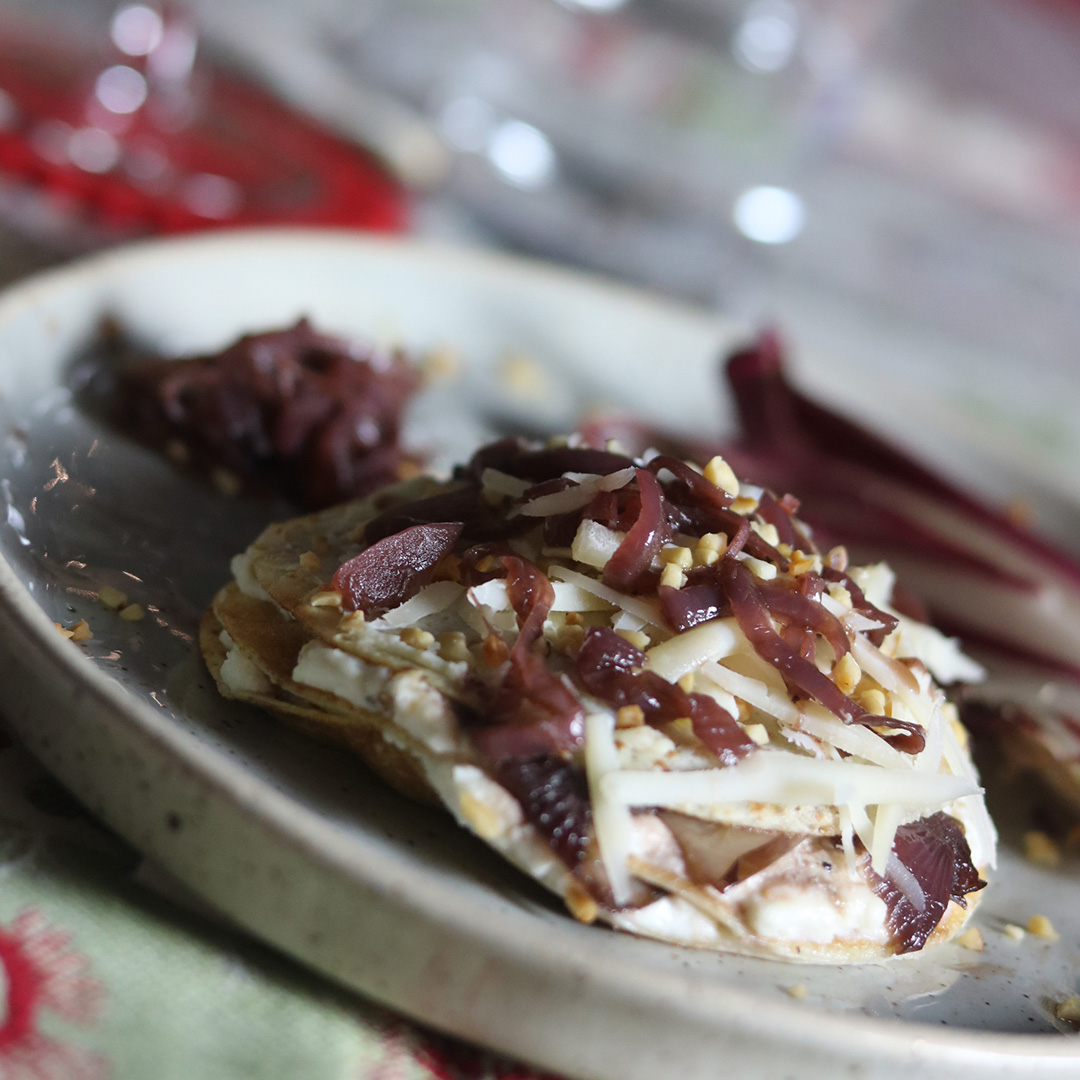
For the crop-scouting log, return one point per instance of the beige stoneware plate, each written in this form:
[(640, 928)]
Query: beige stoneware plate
[(300, 845)]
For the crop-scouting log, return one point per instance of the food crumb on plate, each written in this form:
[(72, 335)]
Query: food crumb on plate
[(972, 939), (1014, 932), (799, 992), (132, 612), (112, 598), (1041, 850), (1069, 1009), (1041, 926)]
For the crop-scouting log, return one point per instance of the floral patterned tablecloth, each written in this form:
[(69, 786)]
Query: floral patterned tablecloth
[(109, 970)]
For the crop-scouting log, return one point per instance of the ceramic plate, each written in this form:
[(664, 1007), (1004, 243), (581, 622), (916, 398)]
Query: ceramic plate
[(298, 844)]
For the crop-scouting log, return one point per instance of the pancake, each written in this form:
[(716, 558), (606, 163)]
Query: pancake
[(639, 682)]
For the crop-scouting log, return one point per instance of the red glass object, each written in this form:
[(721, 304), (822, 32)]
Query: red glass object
[(145, 140)]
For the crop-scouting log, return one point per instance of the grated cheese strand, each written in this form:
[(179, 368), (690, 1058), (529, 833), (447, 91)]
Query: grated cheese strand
[(782, 779), (612, 820)]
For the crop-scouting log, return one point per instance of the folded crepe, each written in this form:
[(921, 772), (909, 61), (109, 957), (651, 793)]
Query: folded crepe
[(640, 682)]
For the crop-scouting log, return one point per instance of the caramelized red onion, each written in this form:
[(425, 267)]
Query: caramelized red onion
[(305, 414), (554, 796), (633, 557), (799, 674), (934, 852), (611, 669), (863, 606), (532, 710), (388, 573)]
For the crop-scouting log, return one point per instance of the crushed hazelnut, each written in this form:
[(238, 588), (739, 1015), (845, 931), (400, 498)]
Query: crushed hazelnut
[(1069, 1010), (672, 576), (416, 638), (228, 483), (838, 558), (112, 598), (677, 556), (310, 561), (720, 473), (325, 598), (630, 716), (686, 683), (494, 651), (873, 701), (972, 939), (743, 504), (482, 819), (759, 733), (177, 452), (580, 904), (453, 646), (1041, 850), (636, 638), (840, 594), (1041, 926), (846, 673)]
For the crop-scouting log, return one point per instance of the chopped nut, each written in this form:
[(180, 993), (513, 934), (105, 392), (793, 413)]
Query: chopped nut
[(133, 612), (677, 556), (972, 939), (495, 651), (228, 483), (310, 561), (840, 594), (416, 638), (636, 638), (630, 716), (112, 598), (177, 452), (686, 683), (798, 991), (672, 576), (442, 362), (838, 558), (873, 701), (715, 541), (65, 632), (846, 673), (759, 733), (569, 638), (706, 556), (1041, 850), (453, 646), (580, 904), (1014, 932), (1041, 926), (720, 473), (767, 531), (744, 505), (353, 621), (1069, 1010), (681, 727), (801, 564), (486, 564), (573, 618), (448, 568), (482, 819), (523, 376), (326, 598)]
